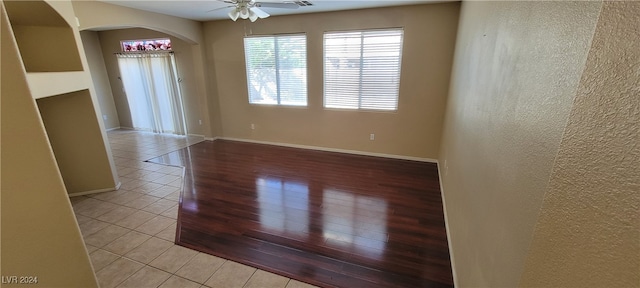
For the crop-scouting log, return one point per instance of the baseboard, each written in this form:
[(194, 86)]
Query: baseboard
[(318, 148), (446, 225), (96, 191), (112, 129)]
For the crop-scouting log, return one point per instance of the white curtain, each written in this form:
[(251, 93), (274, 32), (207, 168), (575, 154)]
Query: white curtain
[(151, 84)]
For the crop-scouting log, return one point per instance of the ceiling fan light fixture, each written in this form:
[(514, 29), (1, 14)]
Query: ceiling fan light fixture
[(244, 12), (249, 9), (252, 16), (233, 14)]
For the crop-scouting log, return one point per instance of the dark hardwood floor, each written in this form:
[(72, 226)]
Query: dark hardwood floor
[(329, 219)]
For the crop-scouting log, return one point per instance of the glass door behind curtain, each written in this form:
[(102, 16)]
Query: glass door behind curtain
[(151, 85)]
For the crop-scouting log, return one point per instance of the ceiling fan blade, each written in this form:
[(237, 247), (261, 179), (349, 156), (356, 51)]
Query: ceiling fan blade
[(259, 12), (225, 7), (277, 5)]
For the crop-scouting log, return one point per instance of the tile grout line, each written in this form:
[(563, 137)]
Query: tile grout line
[(130, 159), (247, 282)]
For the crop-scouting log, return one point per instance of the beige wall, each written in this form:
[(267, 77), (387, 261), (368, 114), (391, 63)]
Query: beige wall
[(67, 58), (74, 134), (515, 76), (40, 236), (95, 59), (192, 64), (195, 109), (588, 233), (414, 130), (93, 14), (33, 20)]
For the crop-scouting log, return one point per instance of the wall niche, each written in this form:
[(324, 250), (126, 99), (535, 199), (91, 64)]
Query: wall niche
[(45, 39)]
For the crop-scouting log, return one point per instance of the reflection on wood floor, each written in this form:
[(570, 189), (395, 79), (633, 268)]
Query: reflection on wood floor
[(325, 218)]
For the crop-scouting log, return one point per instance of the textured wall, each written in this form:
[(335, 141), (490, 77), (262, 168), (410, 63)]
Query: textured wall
[(413, 130), (588, 234), (516, 72)]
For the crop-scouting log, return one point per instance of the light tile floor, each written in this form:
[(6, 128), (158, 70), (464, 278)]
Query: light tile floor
[(130, 233)]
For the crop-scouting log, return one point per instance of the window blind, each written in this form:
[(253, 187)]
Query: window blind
[(277, 69), (362, 69)]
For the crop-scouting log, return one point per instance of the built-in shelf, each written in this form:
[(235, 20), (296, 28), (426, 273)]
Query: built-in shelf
[(54, 83), (49, 47), (75, 136), (45, 39)]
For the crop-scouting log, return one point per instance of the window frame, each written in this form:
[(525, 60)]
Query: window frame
[(361, 65), (144, 43), (278, 60)]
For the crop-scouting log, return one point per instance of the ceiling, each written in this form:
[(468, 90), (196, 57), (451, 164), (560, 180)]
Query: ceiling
[(201, 10)]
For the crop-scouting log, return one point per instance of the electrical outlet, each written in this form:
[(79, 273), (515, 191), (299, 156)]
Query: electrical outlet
[(105, 117), (253, 126), (446, 168), (372, 136), (200, 122)]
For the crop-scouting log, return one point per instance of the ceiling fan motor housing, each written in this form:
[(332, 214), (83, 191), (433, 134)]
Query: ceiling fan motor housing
[(248, 9)]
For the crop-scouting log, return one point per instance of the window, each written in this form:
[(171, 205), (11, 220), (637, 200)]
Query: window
[(277, 69), (145, 45), (362, 69)]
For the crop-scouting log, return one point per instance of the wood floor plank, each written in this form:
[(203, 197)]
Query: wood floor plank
[(329, 219)]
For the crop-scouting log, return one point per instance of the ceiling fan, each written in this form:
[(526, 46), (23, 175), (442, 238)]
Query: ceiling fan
[(250, 9)]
